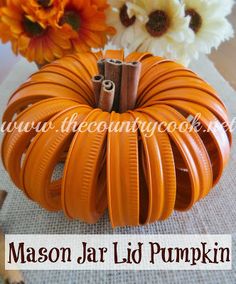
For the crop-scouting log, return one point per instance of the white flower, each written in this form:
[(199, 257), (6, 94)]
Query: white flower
[(177, 29), (208, 24), (164, 26), (221, 8), (124, 20)]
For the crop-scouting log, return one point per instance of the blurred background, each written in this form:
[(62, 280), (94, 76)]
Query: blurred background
[(224, 58)]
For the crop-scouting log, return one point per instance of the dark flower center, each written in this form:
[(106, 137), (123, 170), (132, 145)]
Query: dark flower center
[(45, 3), (124, 17), (196, 20), (72, 18), (158, 23), (32, 29)]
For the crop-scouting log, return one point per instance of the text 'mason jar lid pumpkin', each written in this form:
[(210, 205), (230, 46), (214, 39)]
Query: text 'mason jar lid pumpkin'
[(140, 178)]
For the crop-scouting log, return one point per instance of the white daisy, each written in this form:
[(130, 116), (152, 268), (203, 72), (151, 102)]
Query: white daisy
[(221, 8), (123, 19), (164, 26), (208, 24)]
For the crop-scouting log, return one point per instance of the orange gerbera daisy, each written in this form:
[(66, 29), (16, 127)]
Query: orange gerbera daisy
[(29, 38), (5, 33), (85, 21), (47, 12)]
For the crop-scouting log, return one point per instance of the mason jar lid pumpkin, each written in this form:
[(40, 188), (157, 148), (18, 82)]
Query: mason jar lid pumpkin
[(140, 178)]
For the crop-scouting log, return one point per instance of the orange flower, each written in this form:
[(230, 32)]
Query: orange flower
[(29, 38), (5, 34), (47, 12), (2, 3), (85, 21)]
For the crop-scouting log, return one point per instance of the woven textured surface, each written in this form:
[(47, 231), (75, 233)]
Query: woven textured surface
[(216, 214)]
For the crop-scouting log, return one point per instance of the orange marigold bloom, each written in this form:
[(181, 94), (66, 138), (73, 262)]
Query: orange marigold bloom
[(30, 39), (46, 12), (85, 21)]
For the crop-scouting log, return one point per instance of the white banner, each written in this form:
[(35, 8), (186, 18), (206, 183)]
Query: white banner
[(118, 252)]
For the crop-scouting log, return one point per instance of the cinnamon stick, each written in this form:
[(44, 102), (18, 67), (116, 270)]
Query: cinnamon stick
[(113, 72), (101, 66), (97, 85), (3, 195), (129, 85), (107, 96)]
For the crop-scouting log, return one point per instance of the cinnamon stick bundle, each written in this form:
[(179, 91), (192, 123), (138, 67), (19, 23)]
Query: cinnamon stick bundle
[(113, 72), (107, 96), (97, 85), (129, 85)]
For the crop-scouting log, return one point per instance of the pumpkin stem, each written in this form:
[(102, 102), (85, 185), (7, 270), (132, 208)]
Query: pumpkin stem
[(122, 78), (101, 66), (107, 96), (97, 85), (129, 85), (113, 72)]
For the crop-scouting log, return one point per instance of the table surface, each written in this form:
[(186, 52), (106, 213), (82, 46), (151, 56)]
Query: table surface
[(224, 58)]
